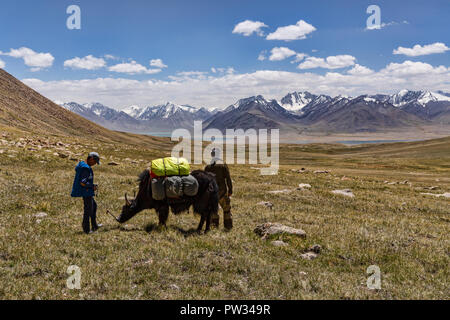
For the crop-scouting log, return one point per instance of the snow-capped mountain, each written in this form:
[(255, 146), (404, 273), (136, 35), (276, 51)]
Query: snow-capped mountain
[(137, 119), (296, 101), (166, 111), (421, 97), (252, 113), (134, 111)]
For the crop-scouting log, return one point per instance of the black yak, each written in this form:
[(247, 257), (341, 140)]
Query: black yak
[(205, 203)]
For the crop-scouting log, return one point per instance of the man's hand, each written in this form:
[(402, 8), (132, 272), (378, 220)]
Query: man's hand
[(230, 194), (95, 187)]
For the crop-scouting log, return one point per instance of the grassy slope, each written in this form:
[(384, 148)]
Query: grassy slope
[(393, 226)]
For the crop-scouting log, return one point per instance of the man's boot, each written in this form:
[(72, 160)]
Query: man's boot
[(228, 221)]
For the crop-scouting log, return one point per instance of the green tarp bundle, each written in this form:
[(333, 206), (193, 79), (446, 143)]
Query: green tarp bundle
[(170, 167)]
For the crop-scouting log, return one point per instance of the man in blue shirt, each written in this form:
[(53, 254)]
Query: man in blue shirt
[(84, 187)]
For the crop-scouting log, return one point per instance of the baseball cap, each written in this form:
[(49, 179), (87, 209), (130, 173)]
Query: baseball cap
[(95, 156)]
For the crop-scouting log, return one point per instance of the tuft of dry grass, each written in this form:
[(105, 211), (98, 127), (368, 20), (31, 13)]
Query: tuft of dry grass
[(392, 226)]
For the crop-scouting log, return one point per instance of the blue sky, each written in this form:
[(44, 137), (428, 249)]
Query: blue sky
[(196, 36)]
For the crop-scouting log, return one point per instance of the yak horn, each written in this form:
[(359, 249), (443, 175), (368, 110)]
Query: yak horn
[(126, 200)]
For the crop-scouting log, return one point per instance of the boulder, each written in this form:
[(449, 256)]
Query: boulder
[(266, 204), (268, 229), (279, 243), (40, 215), (304, 186), (281, 191), (344, 192), (309, 255), (444, 195)]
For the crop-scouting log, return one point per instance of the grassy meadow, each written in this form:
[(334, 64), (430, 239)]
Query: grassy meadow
[(388, 224)]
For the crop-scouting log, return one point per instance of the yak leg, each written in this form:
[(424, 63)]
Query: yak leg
[(200, 226), (208, 223), (163, 214)]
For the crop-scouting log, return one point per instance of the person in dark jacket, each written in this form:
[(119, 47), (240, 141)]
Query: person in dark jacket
[(220, 169), (84, 187)]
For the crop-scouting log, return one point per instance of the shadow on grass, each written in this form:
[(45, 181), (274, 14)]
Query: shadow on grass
[(153, 227)]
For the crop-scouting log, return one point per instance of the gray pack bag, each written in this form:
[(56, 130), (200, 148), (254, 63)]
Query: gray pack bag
[(158, 192), (174, 187), (190, 186)]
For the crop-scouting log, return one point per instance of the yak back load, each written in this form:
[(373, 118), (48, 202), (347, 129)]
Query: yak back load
[(171, 166), (171, 179)]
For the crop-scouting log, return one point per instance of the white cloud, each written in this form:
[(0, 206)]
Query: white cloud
[(331, 62), (281, 53), (88, 63), (198, 89), (2, 64), (299, 57), (292, 32), (384, 25), (262, 55), (110, 57), (408, 68), (158, 63), (37, 61), (249, 27), (418, 50), (360, 70), (132, 68)]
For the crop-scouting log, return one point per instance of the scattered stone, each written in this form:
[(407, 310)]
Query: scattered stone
[(432, 188), (268, 229), (445, 195), (62, 155), (281, 191), (279, 243), (344, 178), (309, 256), (40, 215), (113, 163), (317, 248), (73, 159), (2, 151), (344, 192), (267, 204), (174, 287), (304, 186), (321, 171), (302, 170)]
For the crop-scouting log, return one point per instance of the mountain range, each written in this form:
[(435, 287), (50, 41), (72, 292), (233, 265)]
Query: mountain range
[(297, 112)]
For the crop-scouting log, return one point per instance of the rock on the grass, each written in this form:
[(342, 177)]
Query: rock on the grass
[(444, 195), (113, 163), (344, 192), (317, 248), (321, 171), (268, 229), (174, 287), (281, 191), (309, 255), (266, 204), (40, 215), (279, 243), (304, 186)]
